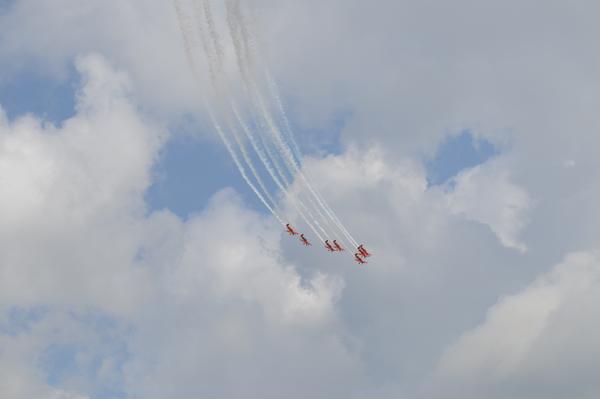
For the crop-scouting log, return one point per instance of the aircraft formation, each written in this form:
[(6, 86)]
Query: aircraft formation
[(360, 256), (244, 107)]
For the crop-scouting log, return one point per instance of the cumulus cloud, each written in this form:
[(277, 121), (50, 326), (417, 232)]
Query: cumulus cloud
[(69, 187), (43, 37), (486, 194), (80, 246), (72, 194), (233, 312), (541, 340)]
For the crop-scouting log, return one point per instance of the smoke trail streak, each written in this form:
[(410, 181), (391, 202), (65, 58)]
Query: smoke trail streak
[(274, 141), (294, 165), (274, 91), (294, 147), (274, 158), (288, 158), (217, 66), (188, 47), (278, 177), (296, 155), (283, 184), (283, 149), (287, 130), (216, 63), (281, 180), (241, 167), (250, 47)]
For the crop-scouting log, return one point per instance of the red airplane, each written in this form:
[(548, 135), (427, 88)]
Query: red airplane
[(304, 240), (290, 230), (358, 259), (337, 246), (363, 251), (328, 246)]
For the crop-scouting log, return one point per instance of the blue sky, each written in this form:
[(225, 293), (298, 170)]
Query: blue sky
[(181, 184), (181, 179), (456, 153), (189, 172), (4, 4), (36, 93)]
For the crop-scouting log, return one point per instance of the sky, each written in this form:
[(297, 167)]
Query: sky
[(458, 140)]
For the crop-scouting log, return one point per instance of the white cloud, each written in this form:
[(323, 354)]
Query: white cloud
[(21, 353), (486, 194), (232, 312), (78, 241), (238, 256), (67, 189), (44, 36), (70, 220), (541, 340)]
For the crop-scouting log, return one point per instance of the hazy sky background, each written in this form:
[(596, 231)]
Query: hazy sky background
[(459, 140)]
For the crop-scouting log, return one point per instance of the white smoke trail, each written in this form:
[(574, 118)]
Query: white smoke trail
[(241, 167), (216, 60), (273, 157), (282, 147), (215, 64), (184, 26), (274, 91), (287, 129), (185, 31), (293, 163), (282, 181), (275, 172), (251, 90), (295, 154), (288, 158)]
